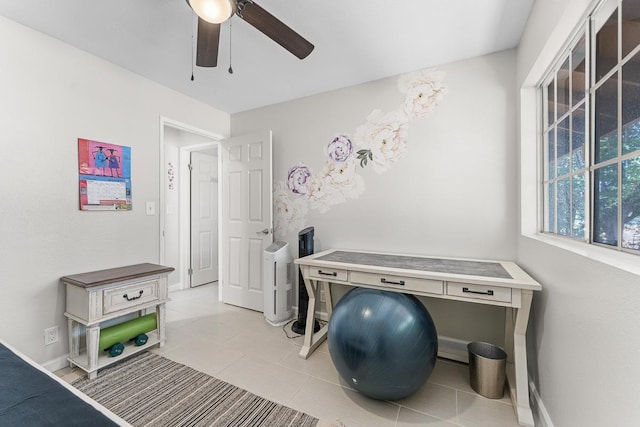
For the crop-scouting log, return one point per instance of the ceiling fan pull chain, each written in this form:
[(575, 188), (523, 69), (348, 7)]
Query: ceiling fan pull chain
[(230, 69)]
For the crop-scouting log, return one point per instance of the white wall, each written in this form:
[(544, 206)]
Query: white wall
[(453, 194), (583, 337), (53, 94)]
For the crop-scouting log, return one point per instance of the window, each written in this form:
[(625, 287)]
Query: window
[(591, 132)]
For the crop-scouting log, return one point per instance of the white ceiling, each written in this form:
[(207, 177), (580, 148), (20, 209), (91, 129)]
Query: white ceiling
[(355, 41)]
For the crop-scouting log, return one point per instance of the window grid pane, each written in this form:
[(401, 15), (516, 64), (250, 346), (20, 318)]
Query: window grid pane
[(631, 204), (563, 160), (564, 207), (551, 156), (630, 20), (578, 215), (578, 65), (551, 104), (631, 105), (578, 132), (605, 212), (606, 120), (606, 56), (563, 85)]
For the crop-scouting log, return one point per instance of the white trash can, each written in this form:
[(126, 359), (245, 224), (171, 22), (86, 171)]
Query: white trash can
[(487, 369)]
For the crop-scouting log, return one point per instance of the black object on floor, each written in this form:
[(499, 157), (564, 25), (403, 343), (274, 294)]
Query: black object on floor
[(305, 247)]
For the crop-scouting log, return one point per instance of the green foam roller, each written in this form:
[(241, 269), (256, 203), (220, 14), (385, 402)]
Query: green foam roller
[(125, 331)]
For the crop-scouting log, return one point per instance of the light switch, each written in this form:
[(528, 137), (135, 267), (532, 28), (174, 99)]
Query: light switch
[(151, 208)]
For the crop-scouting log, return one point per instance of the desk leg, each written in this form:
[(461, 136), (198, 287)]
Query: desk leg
[(311, 340), (93, 338), (516, 345), (161, 315), (74, 339), (326, 286)]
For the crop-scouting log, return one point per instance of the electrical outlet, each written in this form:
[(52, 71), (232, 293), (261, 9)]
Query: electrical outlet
[(51, 335)]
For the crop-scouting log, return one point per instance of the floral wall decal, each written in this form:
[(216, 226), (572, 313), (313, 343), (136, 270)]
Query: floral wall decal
[(424, 90), (383, 139), (170, 175), (297, 178), (380, 142)]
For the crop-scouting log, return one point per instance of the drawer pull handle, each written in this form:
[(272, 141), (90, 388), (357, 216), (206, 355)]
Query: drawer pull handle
[(468, 291), (133, 298), (388, 282), (333, 273)]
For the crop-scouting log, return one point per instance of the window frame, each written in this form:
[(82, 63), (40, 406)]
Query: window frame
[(587, 28)]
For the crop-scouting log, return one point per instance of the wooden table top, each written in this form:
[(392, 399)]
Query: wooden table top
[(118, 274)]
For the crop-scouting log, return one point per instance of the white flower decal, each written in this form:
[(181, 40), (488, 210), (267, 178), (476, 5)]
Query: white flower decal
[(339, 182), (424, 91), (289, 213), (321, 194), (383, 138)]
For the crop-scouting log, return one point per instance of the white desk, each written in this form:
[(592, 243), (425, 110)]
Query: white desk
[(500, 283)]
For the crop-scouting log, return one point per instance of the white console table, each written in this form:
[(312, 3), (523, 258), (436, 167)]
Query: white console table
[(98, 296), (500, 283)]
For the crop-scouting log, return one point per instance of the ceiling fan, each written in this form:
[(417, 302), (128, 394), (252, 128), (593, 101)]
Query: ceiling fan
[(211, 13)]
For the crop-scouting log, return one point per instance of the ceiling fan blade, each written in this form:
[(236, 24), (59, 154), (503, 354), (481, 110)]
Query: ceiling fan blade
[(207, 47), (273, 28)]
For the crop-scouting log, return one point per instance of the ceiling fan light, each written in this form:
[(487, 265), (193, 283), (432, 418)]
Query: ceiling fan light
[(214, 11)]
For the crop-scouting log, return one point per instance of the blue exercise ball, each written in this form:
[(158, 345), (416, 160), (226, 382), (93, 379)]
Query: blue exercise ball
[(383, 344)]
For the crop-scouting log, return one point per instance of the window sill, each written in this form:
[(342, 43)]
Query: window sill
[(622, 260)]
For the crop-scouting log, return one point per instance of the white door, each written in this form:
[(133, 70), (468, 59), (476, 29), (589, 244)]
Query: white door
[(246, 223), (204, 218)]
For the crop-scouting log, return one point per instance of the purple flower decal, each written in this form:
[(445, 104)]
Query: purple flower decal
[(297, 178), (339, 149)]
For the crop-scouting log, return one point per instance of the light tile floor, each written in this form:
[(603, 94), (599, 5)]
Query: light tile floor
[(240, 347)]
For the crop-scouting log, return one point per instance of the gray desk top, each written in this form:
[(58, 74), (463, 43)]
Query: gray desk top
[(471, 268)]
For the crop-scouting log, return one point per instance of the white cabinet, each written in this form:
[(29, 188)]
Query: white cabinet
[(98, 296)]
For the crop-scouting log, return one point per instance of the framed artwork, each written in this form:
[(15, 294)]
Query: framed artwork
[(104, 175)]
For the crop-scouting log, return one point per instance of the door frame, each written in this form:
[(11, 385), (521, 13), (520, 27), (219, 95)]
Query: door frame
[(184, 199)]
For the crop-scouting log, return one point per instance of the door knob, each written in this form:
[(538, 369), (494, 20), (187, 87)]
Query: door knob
[(265, 231)]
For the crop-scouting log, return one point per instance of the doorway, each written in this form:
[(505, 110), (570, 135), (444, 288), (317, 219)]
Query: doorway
[(195, 258), (203, 168)]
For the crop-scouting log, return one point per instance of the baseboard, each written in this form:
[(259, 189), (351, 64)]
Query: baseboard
[(537, 406), (56, 364), (448, 348), (176, 287), (321, 315), (453, 349)]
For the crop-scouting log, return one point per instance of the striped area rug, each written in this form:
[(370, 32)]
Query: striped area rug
[(149, 390)]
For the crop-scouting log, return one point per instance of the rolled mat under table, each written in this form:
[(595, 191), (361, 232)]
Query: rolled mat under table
[(127, 330)]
